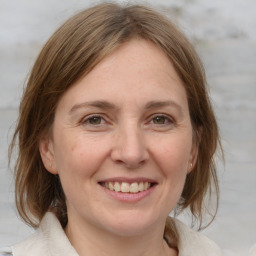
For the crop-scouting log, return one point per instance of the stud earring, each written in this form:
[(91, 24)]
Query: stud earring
[(191, 166)]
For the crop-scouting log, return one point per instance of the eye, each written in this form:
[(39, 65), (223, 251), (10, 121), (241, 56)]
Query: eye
[(161, 120), (94, 120)]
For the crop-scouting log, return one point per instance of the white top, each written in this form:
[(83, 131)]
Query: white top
[(50, 240), (253, 251)]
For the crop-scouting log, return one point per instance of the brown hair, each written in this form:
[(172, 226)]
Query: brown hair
[(72, 51)]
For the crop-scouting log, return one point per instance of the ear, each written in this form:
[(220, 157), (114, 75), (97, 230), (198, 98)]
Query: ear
[(47, 154), (195, 148)]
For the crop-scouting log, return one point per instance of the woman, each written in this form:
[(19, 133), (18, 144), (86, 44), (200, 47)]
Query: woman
[(115, 131)]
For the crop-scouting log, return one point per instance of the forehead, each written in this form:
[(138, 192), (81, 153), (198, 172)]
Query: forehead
[(137, 71)]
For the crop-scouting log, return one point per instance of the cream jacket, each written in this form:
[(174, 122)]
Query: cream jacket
[(50, 240), (253, 251)]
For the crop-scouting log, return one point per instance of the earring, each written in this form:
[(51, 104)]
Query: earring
[(191, 166)]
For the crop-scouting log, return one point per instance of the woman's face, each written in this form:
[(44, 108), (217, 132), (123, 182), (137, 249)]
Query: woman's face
[(122, 143)]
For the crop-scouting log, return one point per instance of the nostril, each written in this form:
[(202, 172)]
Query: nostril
[(131, 165)]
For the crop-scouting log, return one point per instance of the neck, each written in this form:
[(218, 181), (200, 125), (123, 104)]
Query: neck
[(90, 240)]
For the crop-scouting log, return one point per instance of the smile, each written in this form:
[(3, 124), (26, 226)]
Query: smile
[(125, 187)]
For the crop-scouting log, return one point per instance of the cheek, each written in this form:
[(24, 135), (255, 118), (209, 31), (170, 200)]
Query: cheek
[(78, 156), (173, 155), (77, 160)]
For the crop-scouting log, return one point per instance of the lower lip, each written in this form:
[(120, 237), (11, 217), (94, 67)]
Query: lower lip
[(129, 197)]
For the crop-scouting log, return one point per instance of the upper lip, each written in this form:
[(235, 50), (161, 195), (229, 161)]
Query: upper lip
[(128, 180)]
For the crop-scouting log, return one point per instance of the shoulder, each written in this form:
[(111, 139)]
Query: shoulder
[(49, 239), (5, 251), (36, 244), (253, 251), (191, 242)]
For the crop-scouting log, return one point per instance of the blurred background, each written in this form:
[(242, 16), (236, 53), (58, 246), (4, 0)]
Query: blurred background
[(223, 32)]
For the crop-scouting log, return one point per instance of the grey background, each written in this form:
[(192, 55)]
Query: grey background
[(224, 33)]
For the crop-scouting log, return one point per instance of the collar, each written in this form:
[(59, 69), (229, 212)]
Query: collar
[(193, 243), (48, 240), (51, 240)]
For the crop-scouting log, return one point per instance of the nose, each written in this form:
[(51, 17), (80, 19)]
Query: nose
[(130, 149)]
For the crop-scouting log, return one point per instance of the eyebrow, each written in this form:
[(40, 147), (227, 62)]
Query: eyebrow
[(95, 104), (101, 104), (168, 103)]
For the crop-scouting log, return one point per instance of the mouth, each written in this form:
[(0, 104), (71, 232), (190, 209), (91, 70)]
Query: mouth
[(127, 187)]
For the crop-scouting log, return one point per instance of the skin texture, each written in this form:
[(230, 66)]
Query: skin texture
[(127, 119)]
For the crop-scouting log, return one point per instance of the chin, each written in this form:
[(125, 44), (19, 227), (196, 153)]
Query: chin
[(131, 224)]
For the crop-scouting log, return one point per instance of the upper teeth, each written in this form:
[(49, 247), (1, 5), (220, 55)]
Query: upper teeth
[(125, 187)]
